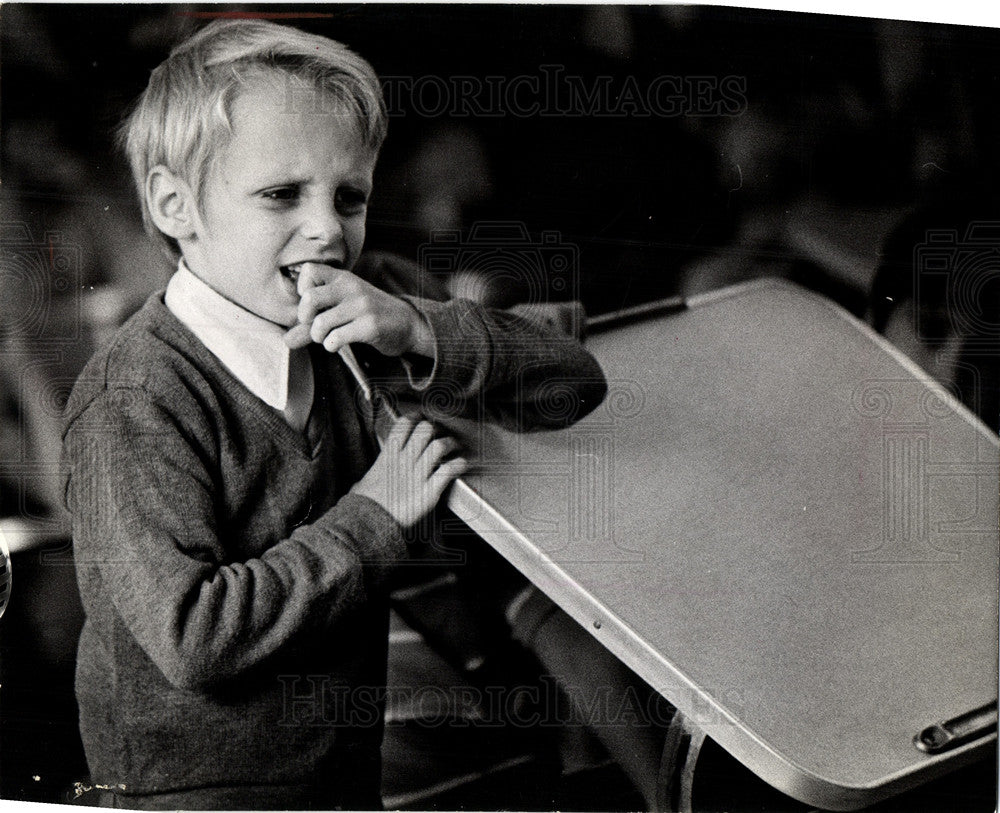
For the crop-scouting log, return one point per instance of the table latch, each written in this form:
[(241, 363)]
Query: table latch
[(951, 733)]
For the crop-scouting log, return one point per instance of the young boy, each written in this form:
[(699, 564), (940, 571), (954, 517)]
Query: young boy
[(234, 518)]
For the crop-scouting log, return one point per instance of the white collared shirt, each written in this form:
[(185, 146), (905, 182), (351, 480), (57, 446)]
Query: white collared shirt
[(250, 347)]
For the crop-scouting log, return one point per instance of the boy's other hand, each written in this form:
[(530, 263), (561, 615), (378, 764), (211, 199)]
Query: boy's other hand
[(412, 471), (338, 308)]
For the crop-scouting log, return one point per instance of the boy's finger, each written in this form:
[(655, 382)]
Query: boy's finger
[(400, 431), (322, 286), (351, 333), (331, 319), (312, 275), (450, 469), (316, 300), (438, 449), (423, 433), (298, 336), (328, 323), (446, 474)]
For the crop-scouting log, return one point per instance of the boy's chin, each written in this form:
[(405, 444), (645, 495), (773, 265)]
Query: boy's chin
[(284, 316)]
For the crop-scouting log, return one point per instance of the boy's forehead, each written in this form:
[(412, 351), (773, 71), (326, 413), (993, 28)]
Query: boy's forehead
[(291, 98), (276, 121)]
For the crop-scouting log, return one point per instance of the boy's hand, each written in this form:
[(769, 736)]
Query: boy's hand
[(411, 473), (337, 308)]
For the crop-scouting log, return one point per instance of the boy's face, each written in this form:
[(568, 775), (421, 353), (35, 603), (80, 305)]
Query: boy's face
[(291, 186)]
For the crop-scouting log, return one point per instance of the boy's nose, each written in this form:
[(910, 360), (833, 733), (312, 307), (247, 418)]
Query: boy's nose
[(322, 222)]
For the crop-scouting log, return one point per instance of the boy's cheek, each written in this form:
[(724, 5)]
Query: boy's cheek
[(356, 247)]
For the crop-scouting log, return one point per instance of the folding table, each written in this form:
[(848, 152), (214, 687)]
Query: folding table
[(780, 523)]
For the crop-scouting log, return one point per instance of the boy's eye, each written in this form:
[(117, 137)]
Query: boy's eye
[(351, 201), (281, 194)]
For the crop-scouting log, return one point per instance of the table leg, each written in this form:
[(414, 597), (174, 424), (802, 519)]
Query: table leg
[(680, 755)]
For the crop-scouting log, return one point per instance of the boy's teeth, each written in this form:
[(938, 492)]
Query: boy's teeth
[(292, 271)]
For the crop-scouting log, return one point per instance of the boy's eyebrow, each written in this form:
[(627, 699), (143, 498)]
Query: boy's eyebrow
[(362, 185), (276, 179), (361, 182)]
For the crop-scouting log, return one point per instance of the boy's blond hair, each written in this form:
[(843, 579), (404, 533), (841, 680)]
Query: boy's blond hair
[(182, 118)]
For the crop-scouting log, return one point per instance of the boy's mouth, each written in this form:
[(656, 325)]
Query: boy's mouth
[(293, 270)]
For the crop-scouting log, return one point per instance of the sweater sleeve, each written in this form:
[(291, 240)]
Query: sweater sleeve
[(519, 372), (523, 372), (145, 531)]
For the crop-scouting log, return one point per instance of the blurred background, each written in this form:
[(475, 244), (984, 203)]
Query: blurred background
[(619, 154)]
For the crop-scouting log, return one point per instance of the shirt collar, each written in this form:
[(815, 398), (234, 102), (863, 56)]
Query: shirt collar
[(250, 347)]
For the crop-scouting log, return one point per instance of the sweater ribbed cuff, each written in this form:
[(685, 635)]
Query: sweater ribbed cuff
[(368, 530), (460, 341), (420, 371)]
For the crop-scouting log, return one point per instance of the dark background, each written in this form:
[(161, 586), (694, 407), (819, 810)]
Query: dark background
[(851, 113)]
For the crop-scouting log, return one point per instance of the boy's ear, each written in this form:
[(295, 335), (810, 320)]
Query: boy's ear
[(172, 205)]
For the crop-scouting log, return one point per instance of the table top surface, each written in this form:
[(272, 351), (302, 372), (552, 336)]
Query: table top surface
[(780, 523)]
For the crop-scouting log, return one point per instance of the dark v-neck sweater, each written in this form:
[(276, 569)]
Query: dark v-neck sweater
[(236, 628)]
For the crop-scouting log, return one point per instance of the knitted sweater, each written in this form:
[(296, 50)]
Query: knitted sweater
[(236, 624)]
